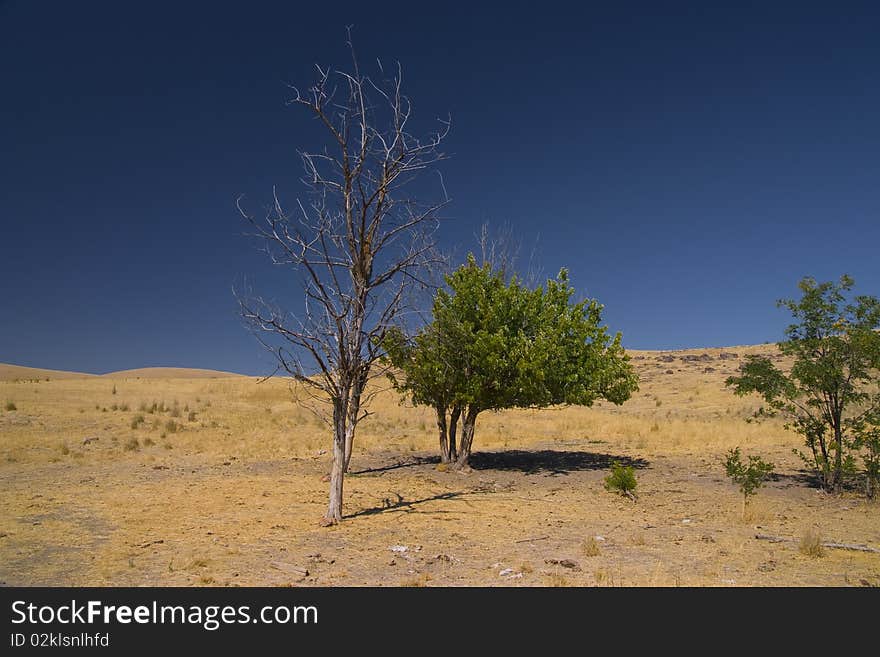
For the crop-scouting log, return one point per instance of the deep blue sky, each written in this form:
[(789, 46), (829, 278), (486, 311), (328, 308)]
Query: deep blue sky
[(688, 163)]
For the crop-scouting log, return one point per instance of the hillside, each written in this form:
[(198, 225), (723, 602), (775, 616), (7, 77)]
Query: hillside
[(168, 373), (19, 372), (87, 467), (10, 372)]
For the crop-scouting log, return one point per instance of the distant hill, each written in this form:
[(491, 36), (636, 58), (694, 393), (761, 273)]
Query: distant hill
[(168, 373), (691, 356), (13, 372), (21, 373)]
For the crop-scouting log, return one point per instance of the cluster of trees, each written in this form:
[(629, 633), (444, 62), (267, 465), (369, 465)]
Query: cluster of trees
[(831, 393), (360, 246), (363, 241), (496, 344)]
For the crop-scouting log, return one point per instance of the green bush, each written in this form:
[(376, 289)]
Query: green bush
[(622, 480), (10, 406), (749, 476)]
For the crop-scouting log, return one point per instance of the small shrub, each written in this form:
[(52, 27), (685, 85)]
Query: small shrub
[(131, 445), (191, 417), (171, 426), (114, 389), (811, 544), (65, 450), (622, 480), (10, 406), (175, 412), (750, 476), (148, 442), (591, 547), (115, 407), (124, 407), (137, 421)]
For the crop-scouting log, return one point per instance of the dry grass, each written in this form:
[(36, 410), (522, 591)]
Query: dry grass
[(811, 544), (245, 474), (590, 547), (556, 580)]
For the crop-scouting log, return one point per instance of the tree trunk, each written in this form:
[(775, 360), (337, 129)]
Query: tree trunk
[(354, 409), (453, 432), (444, 436), (838, 456), (349, 441), (337, 471), (467, 437)]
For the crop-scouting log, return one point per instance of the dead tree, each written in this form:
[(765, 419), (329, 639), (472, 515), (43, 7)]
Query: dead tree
[(360, 244)]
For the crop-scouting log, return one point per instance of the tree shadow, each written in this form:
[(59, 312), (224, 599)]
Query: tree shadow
[(410, 463), (549, 460), (407, 506), (799, 478)]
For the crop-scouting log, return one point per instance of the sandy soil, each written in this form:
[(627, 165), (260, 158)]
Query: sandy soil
[(231, 494)]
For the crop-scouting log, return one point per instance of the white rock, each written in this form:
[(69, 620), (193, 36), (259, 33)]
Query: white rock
[(398, 548), (505, 572)]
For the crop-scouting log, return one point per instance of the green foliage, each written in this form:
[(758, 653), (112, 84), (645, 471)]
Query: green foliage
[(10, 406), (831, 395), (749, 476), (622, 479), (867, 440), (496, 344)]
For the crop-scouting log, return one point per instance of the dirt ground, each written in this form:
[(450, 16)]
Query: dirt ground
[(221, 484)]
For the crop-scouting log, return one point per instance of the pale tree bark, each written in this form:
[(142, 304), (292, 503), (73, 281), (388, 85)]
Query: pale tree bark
[(360, 246), (354, 414), (337, 467)]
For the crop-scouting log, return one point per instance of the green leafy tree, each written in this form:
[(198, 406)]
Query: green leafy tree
[(496, 344), (831, 394), (749, 476)]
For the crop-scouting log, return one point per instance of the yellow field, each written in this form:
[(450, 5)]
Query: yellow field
[(221, 483)]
